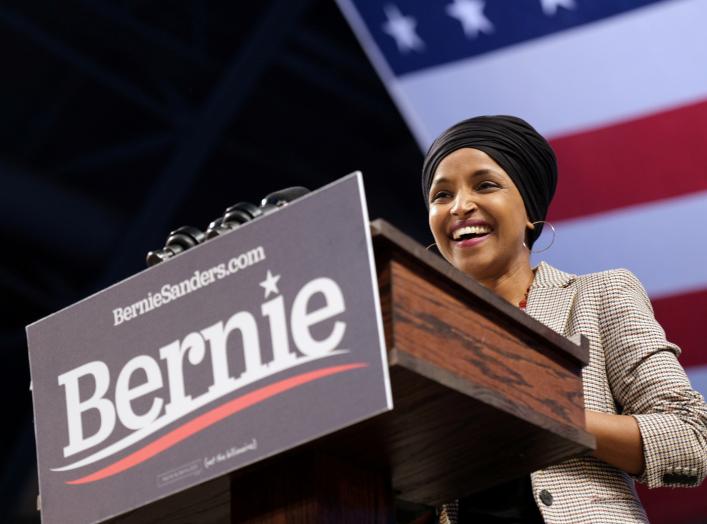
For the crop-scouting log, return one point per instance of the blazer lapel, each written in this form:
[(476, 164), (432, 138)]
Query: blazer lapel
[(551, 297)]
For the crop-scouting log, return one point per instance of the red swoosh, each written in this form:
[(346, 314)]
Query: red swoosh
[(210, 418)]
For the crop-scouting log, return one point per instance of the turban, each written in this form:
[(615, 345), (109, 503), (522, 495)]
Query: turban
[(515, 146)]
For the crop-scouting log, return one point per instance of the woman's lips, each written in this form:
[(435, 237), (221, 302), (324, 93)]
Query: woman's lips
[(470, 242)]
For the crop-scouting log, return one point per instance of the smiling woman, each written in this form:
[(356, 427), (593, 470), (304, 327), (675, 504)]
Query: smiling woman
[(478, 220), (488, 183)]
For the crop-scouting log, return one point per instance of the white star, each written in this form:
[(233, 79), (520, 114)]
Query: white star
[(550, 6), (270, 284), (402, 28), (471, 14)]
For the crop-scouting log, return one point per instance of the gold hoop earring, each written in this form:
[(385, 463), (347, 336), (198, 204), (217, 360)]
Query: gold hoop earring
[(554, 235)]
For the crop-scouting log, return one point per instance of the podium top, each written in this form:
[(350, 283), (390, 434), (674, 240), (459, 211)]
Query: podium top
[(385, 233)]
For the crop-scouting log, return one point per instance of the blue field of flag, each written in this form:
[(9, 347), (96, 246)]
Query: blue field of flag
[(417, 34)]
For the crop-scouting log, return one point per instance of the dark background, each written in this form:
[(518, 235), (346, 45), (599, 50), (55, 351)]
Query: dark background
[(122, 120)]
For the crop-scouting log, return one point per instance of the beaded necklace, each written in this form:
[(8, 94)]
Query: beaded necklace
[(524, 301)]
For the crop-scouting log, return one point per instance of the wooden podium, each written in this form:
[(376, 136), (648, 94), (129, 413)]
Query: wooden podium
[(482, 392)]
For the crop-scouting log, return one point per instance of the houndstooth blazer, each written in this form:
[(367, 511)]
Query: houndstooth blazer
[(632, 370)]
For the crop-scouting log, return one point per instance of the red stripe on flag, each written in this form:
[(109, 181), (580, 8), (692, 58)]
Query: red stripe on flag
[(675, 506), (683, 318), (651, 158)]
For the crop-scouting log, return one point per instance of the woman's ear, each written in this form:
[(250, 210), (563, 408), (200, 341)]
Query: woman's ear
[(529, 226)]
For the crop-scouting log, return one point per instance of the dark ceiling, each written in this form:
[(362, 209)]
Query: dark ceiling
[(121, 120)]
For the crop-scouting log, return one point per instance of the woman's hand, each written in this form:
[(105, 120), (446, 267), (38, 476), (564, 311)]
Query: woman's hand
[(618, 440)]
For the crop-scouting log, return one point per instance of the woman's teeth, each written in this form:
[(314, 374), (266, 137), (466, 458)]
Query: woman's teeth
[(470, 230)]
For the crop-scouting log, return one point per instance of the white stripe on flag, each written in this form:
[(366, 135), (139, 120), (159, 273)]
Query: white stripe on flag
[(626, 66), (664, 243), (698, 378)]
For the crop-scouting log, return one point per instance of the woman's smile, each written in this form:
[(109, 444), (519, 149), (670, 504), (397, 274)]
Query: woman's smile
[(469, 233)]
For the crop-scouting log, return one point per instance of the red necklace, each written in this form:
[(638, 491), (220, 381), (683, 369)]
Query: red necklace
[(524, 301)]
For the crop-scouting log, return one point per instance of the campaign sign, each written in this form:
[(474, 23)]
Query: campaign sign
[(253, 343)]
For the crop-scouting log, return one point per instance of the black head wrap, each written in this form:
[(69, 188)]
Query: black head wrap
[(515, 146)]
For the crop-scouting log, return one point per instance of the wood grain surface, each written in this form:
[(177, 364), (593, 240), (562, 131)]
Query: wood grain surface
[(487, 360)]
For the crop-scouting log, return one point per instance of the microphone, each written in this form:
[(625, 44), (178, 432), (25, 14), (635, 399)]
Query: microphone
[(178, 240), (243, 212), (283, 197), (187, 237), (233, 217)]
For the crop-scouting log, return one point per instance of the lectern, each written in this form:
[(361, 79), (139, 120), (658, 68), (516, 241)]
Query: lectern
[(482, 393)]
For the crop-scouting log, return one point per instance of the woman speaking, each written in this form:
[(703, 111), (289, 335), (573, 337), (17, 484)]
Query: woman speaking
[(488, 182)]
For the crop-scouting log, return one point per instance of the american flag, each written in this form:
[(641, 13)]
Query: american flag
[(619, 87)]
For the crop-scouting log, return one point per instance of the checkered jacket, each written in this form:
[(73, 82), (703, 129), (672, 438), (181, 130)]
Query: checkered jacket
[(632, 370)]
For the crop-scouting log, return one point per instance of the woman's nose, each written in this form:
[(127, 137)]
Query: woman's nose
[(463, 205)]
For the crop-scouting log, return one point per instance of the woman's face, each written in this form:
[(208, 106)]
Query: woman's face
[(477, 216)]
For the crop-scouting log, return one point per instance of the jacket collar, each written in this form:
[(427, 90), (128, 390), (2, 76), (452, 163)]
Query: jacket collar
[(548, 276), (551, 297)]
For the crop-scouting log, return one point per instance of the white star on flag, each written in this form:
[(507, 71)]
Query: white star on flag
[(402, 29), (270, 284), (550, 6), (471, 15)]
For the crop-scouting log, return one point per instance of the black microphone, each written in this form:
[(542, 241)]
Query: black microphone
[(233, 217), (282, 197), (243, 212), (178, 240), (187, 237)]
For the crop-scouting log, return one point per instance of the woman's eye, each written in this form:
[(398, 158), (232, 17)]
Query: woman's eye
[(487, 185), (440, 195)]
